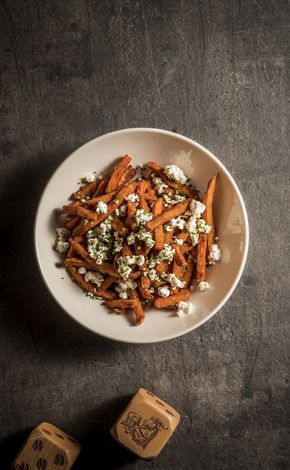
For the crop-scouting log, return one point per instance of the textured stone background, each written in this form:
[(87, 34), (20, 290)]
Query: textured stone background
[(216, 71)]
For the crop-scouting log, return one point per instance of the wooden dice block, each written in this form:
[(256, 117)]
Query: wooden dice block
[(145, 425), (47, 448)]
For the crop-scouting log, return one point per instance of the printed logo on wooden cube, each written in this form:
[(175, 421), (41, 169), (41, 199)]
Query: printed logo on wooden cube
[(47, 448), (145, 425)]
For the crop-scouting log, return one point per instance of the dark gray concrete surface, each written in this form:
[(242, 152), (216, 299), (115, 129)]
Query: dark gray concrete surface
[(216, 71)]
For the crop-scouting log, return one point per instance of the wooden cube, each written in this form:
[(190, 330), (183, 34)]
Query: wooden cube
[(145, 425), (47, 448)]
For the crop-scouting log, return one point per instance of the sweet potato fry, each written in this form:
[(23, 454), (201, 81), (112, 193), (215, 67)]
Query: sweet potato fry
[(70, 252), (117, 173), (138, 309), (84, 227), (185, 248), (188, 274), (101, 187), (162, 267), (71, 223), (158, 231), (178, 270), (126, 250), (178, 256), (119, 227), (87, 286), (183, 236), (201, 258), (131, 209), (120, 303), (80, 211), (126, 176), (181, 187), (168, 215), (150, 195), (162, 302), (168, 237), (88, 189), (104, 198), (106, 294), (78, 262), (108, 282), (208, 213), (144, 288), (154, 166)]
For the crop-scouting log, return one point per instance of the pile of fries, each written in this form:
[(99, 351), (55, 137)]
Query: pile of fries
[(139, 237)]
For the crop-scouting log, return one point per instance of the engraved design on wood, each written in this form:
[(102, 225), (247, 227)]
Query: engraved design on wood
[(41, 464), (46, 431), (37, 445), (142, 432), (22, 466), (59, 459)]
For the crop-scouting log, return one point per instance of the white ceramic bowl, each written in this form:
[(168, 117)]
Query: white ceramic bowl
[(144, 145)]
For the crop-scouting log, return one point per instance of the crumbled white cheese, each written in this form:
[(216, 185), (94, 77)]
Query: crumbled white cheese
[(124, 288), (152, 290), (142, 217), (62, 233), (139, 260), (175, 173), (163, 291), (166, 254), (133, 197), (184, 308), (179, 197), (123, 267), (173, 280), (152, 274), (94, 277), (61, 243), (168, 228), (82, 270), (197, 208), (90, 178), (194, 238), (178, 222), (203, 285), (98, 252), (191, 225), (203, 227), (158, 184), (145, 236), (61, 246), (131, 238), (151, 262), (215, 254), (118, 243), (101, 208), (178, 241), (125, 262), (117, 212)]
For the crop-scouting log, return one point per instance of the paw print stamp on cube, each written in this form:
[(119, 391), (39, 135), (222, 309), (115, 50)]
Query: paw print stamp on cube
[(47, 448)]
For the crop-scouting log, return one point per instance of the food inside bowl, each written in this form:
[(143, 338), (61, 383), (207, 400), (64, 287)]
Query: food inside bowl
[(139, 237)]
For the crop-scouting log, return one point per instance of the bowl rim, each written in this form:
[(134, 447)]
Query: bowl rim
[(233, 183)]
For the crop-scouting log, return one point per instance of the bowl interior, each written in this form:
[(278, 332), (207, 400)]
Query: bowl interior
[(165, 147)]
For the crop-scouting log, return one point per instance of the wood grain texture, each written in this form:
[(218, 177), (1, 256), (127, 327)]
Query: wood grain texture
[(216, 71)]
